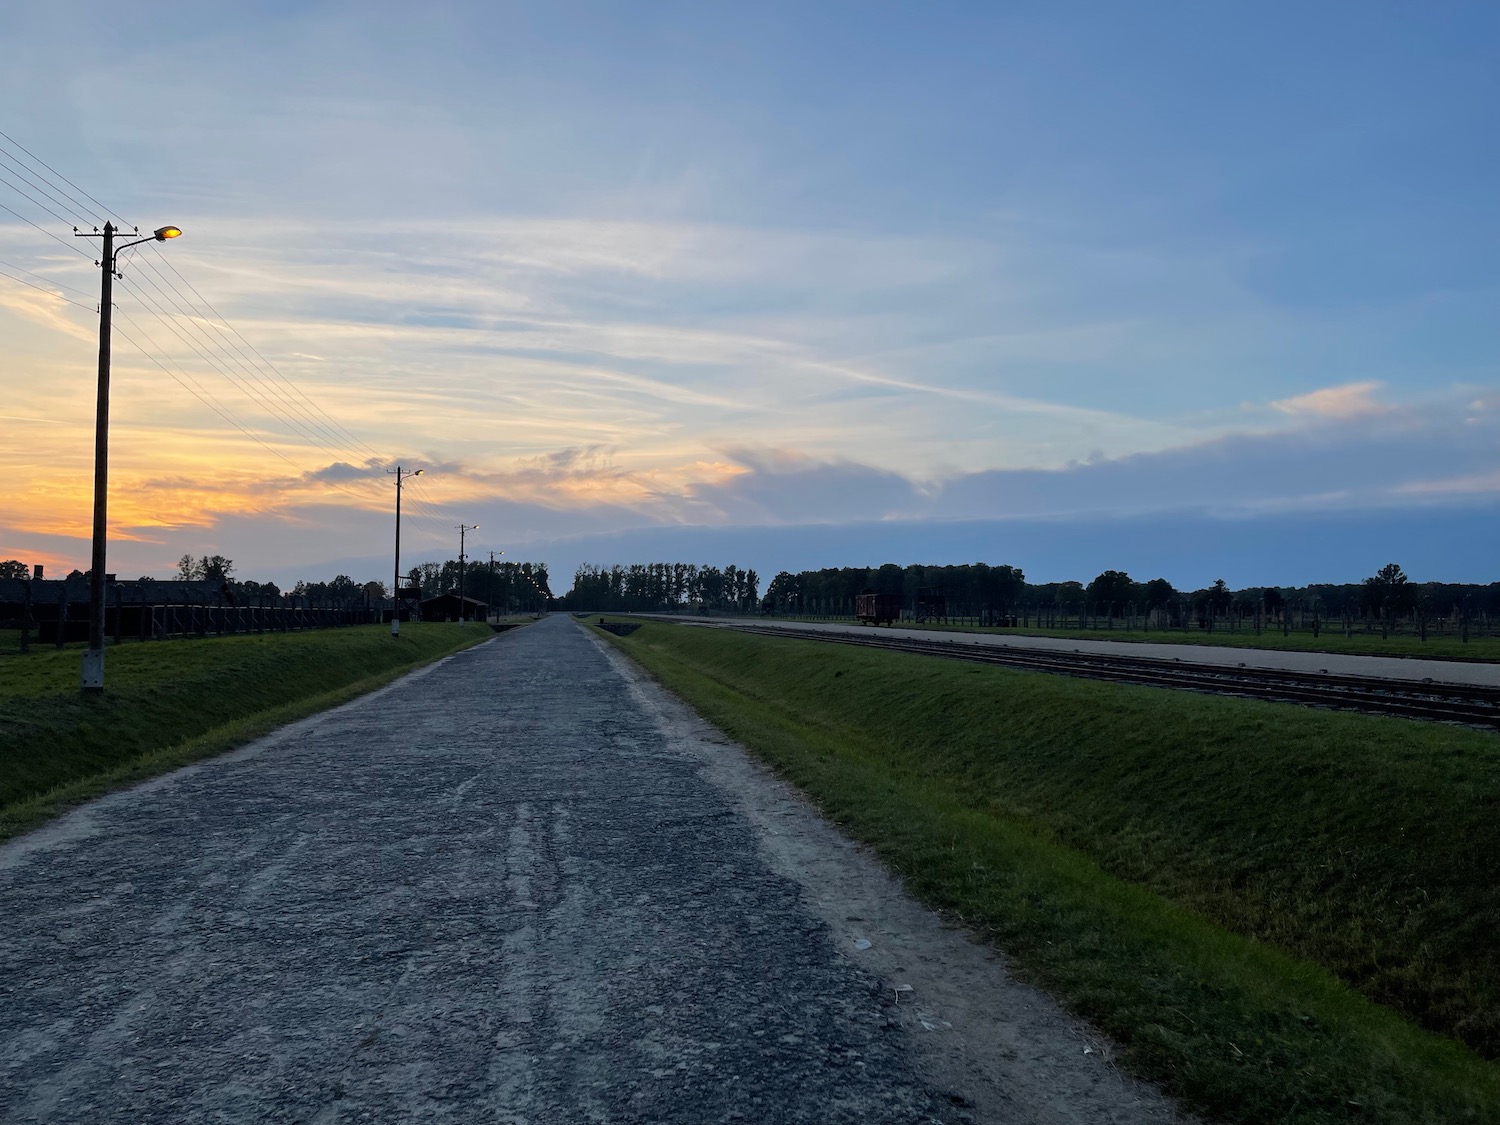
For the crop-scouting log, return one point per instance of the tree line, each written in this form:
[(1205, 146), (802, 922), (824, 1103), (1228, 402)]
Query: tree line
[(503, 586), (521, 585), (975, 588), (663, 587)]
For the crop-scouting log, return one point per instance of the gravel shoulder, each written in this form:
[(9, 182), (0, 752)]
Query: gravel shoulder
[(1004, 1051)]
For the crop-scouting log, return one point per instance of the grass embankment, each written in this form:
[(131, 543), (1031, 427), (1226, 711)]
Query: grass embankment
[(1332, 639), (1244, 894), (171, 702)]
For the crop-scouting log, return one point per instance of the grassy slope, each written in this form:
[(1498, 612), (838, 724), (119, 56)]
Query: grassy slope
[(1332, 640), (1161, 859), (173, 701)]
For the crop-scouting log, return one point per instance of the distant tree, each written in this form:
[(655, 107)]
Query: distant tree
[(1388, 591), (888, 579), (1069, 593), (214, 568), (784, 589), (1158, 592), (187, 569), (14, 568), (374, 591), (1111, 592), (1275, 602), (1219, 596)]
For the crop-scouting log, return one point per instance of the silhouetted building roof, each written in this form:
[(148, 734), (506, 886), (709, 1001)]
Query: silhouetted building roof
[(445, 607)]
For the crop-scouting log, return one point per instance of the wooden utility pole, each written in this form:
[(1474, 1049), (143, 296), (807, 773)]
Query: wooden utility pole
[(92, 676), (463, 528), (400, 474)]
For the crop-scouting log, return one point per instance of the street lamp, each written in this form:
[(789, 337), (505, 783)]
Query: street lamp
[(489, 585), (400, 474), (463, 529), (91, 679)]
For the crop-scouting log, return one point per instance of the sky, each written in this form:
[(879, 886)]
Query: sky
[(1192, 290)]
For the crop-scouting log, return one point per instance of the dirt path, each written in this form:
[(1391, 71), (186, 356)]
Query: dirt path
[(519, 886)]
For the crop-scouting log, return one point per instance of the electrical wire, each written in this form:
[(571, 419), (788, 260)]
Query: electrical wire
[(50, 293), (43, 277), (271, 366), (331, 442), (308, 419), (236, 378), (60, 241), (191, 385), (63, 178), (286, 402), (20, 169)]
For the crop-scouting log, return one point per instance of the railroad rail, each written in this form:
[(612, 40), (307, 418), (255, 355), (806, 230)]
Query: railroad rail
[(1428, 699)]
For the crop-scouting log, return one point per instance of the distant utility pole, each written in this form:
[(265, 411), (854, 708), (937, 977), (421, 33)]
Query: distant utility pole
[(399, 473), (462, 608), (91, 679), (490, 589)]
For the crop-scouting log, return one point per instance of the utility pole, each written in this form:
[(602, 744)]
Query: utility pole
[(399, 473), (462, 608), (490, 590), (91, 678)]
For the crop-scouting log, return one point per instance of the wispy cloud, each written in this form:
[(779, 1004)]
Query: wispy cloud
[(1352, 400)]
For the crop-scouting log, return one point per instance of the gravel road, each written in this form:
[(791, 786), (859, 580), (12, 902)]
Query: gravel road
[(522, 885)]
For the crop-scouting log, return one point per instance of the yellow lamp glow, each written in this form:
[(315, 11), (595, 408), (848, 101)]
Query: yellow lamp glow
[(168, 232)]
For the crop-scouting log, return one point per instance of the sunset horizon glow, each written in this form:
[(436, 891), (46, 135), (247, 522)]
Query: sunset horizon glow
[(612, 275)]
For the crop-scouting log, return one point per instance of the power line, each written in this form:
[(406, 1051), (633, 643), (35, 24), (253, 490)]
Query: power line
[(39, 289), (166, 262), (48, 280), (64, 179), (287, 403), (217, 341), (60, 241), (224, 412), (21, 170), (235, 378)]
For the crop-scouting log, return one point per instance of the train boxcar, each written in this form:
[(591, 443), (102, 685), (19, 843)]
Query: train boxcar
[(877, 609)]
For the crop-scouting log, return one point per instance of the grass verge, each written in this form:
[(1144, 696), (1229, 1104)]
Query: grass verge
[(174, 702), (1227, 887)]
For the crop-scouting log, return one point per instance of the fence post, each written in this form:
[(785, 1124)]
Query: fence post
[(62, 614), (26, 617)]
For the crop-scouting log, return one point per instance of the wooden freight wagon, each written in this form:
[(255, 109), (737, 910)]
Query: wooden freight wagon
[(877, 609)]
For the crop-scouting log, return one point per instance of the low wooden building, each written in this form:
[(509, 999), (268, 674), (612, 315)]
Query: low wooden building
[(449, 607)]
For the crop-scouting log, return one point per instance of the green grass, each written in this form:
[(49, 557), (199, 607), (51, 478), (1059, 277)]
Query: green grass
[(171, 702), (1331, 640), (1261, 902)]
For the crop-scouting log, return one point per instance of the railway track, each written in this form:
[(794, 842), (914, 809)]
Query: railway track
[(1430, 700)]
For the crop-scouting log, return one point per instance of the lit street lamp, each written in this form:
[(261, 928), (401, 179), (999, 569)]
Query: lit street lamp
[(462, 608), (400, 474), (92, 676)]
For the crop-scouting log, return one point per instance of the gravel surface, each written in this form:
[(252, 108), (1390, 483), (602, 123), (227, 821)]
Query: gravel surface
[(519, 886)]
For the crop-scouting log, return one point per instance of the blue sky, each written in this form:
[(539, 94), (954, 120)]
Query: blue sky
[(617, 270)]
